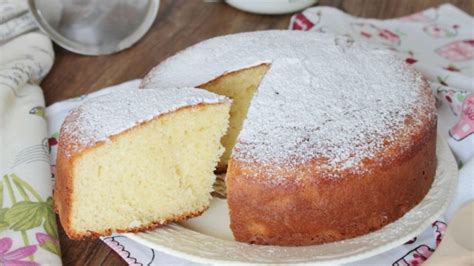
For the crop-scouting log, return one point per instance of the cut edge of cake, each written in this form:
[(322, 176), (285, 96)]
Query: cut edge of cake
[(240, 86)]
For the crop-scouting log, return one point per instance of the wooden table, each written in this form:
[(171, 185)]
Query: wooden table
[(180, 23)]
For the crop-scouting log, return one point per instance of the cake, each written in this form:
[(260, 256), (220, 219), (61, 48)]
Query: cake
[(133, 160), (329, 139)]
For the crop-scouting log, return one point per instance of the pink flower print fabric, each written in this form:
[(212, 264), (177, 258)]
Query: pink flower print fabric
[(376, 34), (17, 256), (453, 98), (440, 230), (458, 50), (302, 23), (121, 251), (465, 125), (415, 257)]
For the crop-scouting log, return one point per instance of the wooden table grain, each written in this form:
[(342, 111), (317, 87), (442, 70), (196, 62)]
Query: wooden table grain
[(179, 24)]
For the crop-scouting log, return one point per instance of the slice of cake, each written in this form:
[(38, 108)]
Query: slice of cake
[(134, 160)]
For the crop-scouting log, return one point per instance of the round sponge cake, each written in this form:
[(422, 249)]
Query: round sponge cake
[(328, 139)]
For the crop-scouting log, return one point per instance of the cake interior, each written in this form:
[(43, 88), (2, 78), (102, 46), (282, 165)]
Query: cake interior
[(240, 86), (160, 169)]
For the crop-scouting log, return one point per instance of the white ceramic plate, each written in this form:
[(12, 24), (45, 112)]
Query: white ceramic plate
[(208, 239), (271, 7)]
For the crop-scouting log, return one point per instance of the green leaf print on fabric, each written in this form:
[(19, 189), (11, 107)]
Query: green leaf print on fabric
[(3, 223), (25, 215), (442, 81), (30, 212), (1, 193), (50, 224), (24, 185), (461, 97)]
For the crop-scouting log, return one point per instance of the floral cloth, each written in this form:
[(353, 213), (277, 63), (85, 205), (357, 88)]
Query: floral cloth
[(28, 231), (438, 42)]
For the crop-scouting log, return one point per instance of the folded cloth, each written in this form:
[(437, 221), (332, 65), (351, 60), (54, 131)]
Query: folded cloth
[(416, 38), (28, 231)]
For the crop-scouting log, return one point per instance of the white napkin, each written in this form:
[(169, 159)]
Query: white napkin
[(417, 38), (28, 232)]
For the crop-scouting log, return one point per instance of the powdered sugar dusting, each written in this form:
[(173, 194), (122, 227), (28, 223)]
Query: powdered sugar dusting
[(343, 125), (99, 118), (324, 96)]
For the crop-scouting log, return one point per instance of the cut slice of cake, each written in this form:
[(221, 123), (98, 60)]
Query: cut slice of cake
[(134, 160)]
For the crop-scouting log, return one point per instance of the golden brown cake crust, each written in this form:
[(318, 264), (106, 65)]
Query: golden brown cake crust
[(320, 210)]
